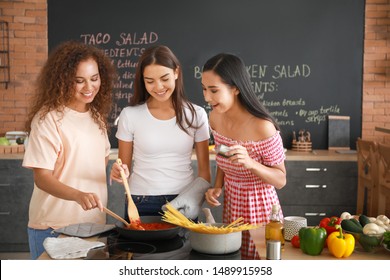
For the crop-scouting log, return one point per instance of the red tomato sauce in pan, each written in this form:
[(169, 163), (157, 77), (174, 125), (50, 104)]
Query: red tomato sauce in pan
[(152, 226)]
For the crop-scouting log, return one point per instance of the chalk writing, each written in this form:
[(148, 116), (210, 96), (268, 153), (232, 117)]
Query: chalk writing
[(122, 84), (115, 112), (125, 38), (257, 71), (96, 39), (124, 49), (264, 86), (135, 38), (264, 80), (318, 115), (123, 95), (127, 63), (291, 71), (123, 52), (297, 72)]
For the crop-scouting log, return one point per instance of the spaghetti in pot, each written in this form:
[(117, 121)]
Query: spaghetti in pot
[(173, 216)]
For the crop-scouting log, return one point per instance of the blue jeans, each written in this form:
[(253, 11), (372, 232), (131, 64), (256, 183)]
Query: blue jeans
[(36, 238), (149, 205)]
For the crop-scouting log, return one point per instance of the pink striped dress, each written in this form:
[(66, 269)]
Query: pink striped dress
[(246, 195)]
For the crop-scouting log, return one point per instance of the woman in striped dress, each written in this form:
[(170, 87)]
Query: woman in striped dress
[(253, 166)]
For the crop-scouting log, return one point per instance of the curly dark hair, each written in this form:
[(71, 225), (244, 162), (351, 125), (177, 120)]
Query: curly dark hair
[(56, 82)]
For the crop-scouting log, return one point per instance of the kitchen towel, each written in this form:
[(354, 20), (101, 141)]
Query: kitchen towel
[(69, 247)]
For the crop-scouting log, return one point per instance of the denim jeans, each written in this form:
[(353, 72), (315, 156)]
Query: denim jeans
[(36, 238), (149, 205)]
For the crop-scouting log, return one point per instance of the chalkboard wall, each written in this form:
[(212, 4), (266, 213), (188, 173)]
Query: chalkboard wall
[(304, 56)]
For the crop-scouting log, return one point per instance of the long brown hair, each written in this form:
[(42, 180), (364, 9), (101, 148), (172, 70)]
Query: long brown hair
[(162, 55), (55, 85), (231, 69)]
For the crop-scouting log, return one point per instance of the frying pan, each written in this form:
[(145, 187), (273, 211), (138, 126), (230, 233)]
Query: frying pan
[(146, 235)]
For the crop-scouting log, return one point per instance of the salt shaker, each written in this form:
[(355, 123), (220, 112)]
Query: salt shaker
[(273, 250)]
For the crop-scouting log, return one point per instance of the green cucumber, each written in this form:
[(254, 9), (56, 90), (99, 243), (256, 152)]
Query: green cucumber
[(364, 220), (351, 225), (369, 243)]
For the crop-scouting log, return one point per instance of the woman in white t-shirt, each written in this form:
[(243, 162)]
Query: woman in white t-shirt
[(68, 145), (156, 136)]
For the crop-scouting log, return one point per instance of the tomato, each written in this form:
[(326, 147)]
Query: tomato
[(295, 241)]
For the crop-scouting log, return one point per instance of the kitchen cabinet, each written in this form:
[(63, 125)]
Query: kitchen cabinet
[(16, 186), (317, 189)]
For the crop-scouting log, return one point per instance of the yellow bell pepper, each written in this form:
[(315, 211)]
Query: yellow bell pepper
[(340, 244)]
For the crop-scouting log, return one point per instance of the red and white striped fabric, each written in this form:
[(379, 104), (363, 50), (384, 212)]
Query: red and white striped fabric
[(246, 195)]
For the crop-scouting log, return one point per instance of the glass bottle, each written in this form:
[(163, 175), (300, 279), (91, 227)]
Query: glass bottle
[(274, 229)]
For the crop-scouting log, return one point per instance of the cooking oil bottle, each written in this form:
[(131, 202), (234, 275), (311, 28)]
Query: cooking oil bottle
[(274, 230)]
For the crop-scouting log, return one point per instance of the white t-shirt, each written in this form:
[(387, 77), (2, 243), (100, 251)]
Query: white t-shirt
[(161, 150), (75, 149)]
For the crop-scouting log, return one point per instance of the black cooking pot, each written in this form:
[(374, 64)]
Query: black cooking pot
[(146, 235)]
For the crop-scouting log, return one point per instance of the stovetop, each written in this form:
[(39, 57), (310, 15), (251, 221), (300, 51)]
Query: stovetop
[(177, 248)]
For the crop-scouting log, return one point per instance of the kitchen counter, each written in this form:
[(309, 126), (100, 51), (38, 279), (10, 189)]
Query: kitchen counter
[(291, 253), (315, 155), (322, 155), (288, 253)]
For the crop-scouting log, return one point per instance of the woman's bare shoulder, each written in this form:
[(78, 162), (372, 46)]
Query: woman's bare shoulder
[(214, 119), (262, 128)]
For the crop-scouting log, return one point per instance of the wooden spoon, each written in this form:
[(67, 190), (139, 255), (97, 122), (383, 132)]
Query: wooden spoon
[(116, 216), (132, 210)]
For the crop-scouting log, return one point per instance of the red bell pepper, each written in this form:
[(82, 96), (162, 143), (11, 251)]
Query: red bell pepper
[(329, 224)]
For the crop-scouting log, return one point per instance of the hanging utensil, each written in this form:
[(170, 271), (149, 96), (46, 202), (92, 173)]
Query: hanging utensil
[(132, 211)]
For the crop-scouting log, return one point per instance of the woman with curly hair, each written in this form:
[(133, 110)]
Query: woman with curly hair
[(68, 145)]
